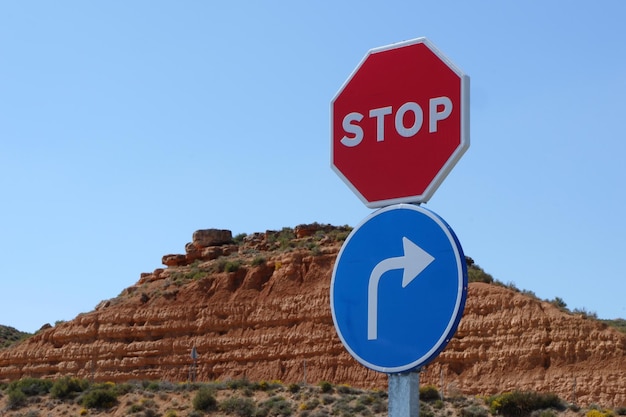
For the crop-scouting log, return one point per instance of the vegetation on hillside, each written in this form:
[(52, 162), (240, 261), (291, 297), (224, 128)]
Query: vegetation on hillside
[(242, 398), (619, 324), (9, 336), (476, 274)]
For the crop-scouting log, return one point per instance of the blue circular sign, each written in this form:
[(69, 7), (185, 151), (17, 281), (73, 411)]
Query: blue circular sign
[(398, 288)]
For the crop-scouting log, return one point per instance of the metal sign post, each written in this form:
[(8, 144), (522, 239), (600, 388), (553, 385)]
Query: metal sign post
[(404, 394), (399, 124), (194, 366)]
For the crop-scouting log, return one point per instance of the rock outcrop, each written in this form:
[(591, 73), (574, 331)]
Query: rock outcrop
[(259, 308)]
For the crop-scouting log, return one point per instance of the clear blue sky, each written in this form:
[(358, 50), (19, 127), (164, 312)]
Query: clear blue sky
[(126, 126)]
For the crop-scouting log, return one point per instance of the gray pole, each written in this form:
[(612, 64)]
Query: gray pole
[(404, 394), (194, 357), (441, 383)]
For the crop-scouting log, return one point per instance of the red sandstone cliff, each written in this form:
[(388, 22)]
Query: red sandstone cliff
[(269, 318)]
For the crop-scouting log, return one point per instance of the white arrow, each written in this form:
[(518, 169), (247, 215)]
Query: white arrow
[(414, 261)]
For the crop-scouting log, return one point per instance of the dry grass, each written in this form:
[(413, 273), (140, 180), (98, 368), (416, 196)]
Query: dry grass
[(242, 398)]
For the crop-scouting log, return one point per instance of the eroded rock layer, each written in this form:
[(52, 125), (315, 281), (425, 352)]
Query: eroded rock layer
[(260, 309)]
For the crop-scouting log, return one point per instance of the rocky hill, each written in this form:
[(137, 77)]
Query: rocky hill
[(257, 307)]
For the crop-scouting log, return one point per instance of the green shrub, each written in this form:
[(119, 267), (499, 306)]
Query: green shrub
[(365, 399), (285, 237), (325, 386), (345, 389), (167, 386), (19, 391), (10, 335), (474, 411), (68, 387), (559, 303), (621, 411), (342, 408), (274, 406), (319, 413), (242, 407), (476, 274), (311, 404), (429, 393), (544, 413), (225, 265), (379, 406), (293, 388), (619, 324), (258, 260), (265, 385), (17, 398), (328, 399), (150, 412), (232, 266), (340, 236), (314, 248), (585, 313), (522, 403), (438, 404), (238, 383), (426, 412), (101, 396), (148, 403), (238, 238), (204, 400), (121, 389), (135, 408), (153, 386), (31, 386)]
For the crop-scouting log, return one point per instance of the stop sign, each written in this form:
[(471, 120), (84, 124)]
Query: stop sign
[(400, 123)]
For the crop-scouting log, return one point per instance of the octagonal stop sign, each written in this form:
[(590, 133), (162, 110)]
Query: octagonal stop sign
[(400, 123)]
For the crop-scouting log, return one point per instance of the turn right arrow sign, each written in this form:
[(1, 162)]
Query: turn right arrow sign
[(398, 288), (413, 262)]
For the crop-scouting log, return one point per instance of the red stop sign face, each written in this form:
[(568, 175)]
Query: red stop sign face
[(400, 123)]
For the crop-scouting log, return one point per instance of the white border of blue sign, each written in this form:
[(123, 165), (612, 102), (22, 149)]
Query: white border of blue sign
[(461, 292)]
